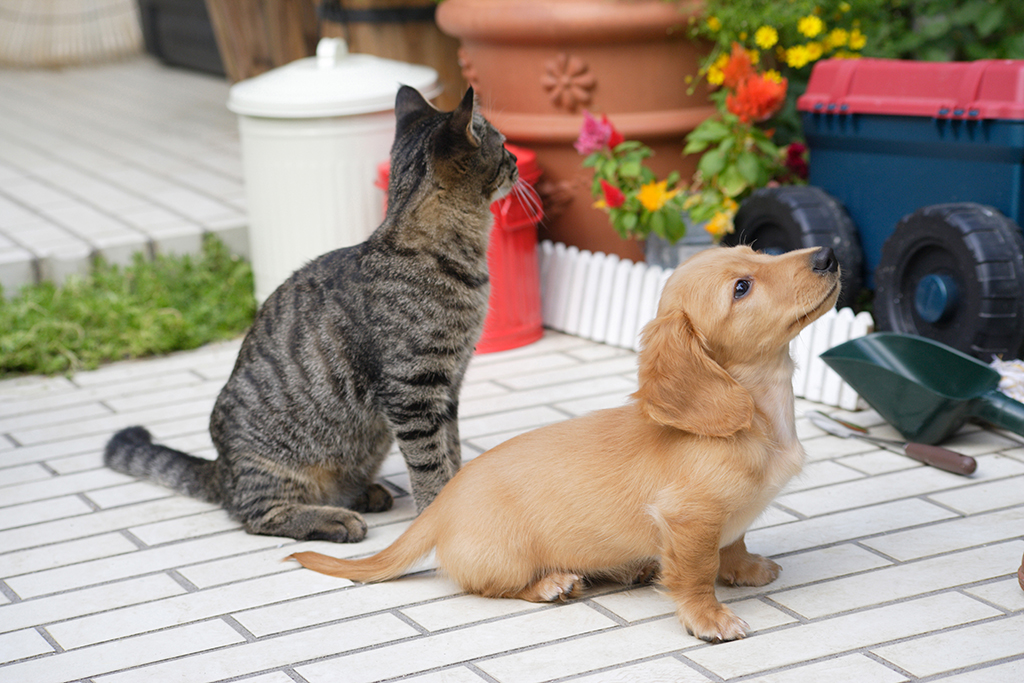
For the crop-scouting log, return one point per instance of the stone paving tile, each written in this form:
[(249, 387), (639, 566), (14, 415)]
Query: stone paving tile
[(122, 654), (929, 655), (902, 581), (845, 526), (839, 635), (656, 670), (474, 642), (1008, 672), (902, 484), (68, 606), (609, 648), (846, 669)]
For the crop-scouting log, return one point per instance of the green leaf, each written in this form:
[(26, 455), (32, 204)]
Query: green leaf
[(695, 146), (712, 163), (710, 130), (732, 181), (990, 20), (630, 169), (749, 167), (675, 228), (658, 224)]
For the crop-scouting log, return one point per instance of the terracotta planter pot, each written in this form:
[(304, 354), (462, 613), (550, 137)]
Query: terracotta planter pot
[(537, 64)]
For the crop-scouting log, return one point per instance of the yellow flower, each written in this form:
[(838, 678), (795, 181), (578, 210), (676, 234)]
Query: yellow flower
[(810, 26), (814, 51), (714, 23), (797, 56), (720, 225), (743, 36), (837, 37), (765, 37), (691, 201), (715, 76), (857, 40), (844, 7), (773, 76), (600, 204), (654, 195)]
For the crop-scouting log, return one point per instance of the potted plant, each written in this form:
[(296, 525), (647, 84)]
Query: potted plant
[(537, 64), (737, 155)]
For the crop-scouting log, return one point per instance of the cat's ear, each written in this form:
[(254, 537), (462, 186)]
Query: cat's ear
[(411, 106), (462, 117)]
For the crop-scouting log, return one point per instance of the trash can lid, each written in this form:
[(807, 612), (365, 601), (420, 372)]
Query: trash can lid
[(334, 83)]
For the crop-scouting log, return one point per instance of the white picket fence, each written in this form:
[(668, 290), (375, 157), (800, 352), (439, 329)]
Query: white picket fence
[(609, 300)]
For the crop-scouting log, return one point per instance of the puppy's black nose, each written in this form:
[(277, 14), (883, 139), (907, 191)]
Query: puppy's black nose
[(824, 261)]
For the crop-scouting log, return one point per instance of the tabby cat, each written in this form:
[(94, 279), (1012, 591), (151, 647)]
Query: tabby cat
[(362, 346)]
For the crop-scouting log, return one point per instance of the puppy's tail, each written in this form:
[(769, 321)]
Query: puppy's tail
[(390, 563)]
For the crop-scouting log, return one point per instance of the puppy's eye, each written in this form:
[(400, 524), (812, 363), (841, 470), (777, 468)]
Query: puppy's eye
[(741, 289)]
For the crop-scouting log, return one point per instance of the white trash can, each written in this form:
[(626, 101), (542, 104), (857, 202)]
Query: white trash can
[(313, 133)]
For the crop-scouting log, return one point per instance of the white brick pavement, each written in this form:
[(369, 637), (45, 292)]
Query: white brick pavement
[(890, 573)]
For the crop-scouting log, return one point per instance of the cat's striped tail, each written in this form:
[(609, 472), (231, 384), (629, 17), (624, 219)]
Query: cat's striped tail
[(132, 451), (390, 563)]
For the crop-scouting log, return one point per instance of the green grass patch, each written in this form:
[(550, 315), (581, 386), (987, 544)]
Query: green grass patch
[(151, 307)]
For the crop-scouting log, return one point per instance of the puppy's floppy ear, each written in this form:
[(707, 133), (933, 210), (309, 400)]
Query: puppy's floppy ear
[(681, 386)]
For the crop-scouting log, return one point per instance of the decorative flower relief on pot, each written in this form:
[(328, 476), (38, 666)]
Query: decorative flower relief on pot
[(468, 70), (568, 81)]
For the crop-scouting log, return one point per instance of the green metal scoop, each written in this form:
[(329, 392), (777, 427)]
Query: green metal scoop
[(924, 389)]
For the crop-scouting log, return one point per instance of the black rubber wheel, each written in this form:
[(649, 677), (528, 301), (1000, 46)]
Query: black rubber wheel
[(954, 273), (780, 219)]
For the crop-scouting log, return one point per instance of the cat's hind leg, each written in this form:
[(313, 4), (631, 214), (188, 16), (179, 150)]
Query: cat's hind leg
[(272, 500), (375, 498)]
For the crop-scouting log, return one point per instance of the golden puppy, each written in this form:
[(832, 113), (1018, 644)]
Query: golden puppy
[(672, 478)]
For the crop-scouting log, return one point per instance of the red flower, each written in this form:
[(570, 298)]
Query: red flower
[(756, 98), (614, 136), (796, 160), (613, 197)]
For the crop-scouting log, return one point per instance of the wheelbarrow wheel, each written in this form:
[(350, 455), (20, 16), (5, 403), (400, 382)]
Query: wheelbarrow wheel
[(954, 273), (780, 219)]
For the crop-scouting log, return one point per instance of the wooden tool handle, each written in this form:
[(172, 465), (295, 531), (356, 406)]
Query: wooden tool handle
[(943, 458)]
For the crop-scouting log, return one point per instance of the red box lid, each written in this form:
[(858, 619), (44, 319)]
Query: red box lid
[(985, 89)]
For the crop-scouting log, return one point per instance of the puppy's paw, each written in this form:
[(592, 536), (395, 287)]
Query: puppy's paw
[(556, 586), (751, 570), (647, 574), (716, 625)]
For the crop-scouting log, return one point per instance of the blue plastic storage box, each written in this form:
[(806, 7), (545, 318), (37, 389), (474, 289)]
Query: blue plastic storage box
[(887, 137)]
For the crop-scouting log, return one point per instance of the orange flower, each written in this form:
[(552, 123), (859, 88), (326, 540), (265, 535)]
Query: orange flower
[(756, 98), (738, 68)]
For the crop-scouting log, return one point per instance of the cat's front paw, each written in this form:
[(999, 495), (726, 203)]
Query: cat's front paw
[(344, 526)]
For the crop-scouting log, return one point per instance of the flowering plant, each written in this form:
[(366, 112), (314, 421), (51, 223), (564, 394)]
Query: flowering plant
[(788, 36), (737, 155), (636, 202)]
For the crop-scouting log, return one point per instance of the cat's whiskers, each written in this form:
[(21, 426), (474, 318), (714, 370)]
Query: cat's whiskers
[(527, 196)]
